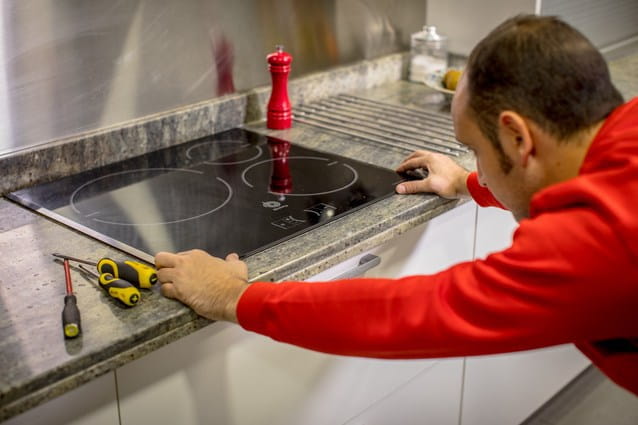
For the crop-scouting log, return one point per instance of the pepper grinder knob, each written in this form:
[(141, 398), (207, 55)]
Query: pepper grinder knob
[(279, 114)]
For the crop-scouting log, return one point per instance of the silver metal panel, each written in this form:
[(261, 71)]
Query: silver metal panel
[(71, 66), (466, 22), (604, 22)]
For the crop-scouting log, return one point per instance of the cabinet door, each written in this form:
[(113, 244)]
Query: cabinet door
[(431, 247), (506, 389), (434, 394), (225, 375), (431, 397), (94, 403), (494, 230)]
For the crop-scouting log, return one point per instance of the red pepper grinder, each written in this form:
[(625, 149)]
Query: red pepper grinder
[(279, 114)]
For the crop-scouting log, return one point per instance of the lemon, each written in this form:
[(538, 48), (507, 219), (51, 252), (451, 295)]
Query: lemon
[(451, 79)]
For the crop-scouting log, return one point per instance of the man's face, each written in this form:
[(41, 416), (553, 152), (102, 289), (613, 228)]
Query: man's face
[(507, 187)]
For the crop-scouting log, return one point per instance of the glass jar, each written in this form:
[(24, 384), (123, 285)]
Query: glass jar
[(428, 54)]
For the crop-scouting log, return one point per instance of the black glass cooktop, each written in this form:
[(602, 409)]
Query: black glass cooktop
[(236, 191)]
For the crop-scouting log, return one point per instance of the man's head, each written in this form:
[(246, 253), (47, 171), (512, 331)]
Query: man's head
[(532, 77)]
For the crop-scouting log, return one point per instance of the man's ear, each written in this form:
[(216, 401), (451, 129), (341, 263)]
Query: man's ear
[(516, 136)]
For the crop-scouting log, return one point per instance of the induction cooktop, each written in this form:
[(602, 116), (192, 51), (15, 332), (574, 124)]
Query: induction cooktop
[(235, 191)]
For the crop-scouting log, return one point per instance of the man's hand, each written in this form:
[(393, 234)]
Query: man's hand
[(209, 285), (445, 177)]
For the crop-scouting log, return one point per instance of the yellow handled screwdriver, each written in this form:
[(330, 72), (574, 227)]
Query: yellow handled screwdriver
[(119, 289), (139, 274), (70, 314)]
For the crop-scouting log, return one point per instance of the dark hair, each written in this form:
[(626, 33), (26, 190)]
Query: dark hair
[(545, 70)]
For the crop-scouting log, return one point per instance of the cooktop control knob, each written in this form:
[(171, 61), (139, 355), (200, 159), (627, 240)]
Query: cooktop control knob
[(279, 114)]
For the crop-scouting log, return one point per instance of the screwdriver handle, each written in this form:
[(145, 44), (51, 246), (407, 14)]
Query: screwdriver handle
[(120, 289), (71, 317), (139, 274)]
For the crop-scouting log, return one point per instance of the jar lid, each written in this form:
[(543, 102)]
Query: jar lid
[(431, 33)]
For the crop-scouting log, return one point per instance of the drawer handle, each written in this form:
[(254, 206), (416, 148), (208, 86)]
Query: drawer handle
[(366, 263)]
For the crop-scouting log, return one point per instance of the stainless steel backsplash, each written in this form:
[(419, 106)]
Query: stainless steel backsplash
[(69, 66), (605, 22)]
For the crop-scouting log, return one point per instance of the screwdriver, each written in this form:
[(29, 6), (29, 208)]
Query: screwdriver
[(71, 313), (119, 289), (139, 274)]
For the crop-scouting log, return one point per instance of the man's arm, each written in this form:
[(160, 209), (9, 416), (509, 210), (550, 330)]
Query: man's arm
[(562, 280), (557, 284)]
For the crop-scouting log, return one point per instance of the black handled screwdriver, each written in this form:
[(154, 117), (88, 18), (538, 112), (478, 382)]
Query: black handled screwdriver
[(71, 313), (119, 289), (139, 274)]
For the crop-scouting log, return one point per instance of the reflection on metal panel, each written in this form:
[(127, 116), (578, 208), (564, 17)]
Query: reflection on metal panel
[(467, 22), (604, 22), (69, 66)]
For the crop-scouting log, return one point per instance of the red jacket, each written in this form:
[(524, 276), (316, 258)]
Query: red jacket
[(570, 275)]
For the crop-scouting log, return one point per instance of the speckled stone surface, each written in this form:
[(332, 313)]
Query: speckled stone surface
[(36, 361), (37, 364)]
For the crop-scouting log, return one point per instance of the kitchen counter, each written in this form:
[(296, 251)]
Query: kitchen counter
[(38, 364)]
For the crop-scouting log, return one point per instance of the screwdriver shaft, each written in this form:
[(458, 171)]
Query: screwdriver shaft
[(92, 273), (79, 260), (67, 276)]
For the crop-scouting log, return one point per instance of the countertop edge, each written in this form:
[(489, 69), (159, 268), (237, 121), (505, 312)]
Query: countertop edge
[(85, 375)]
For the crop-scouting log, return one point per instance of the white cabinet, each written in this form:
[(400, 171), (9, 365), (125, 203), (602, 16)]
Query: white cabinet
[(94, 403), (431, 247), (494, 230), (224, 375), (505, 389), (431, 397)]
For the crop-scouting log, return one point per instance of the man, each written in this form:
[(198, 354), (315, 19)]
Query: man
[(555, 145)]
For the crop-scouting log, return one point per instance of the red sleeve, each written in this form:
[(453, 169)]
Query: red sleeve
[(565, 279), (481, 194)]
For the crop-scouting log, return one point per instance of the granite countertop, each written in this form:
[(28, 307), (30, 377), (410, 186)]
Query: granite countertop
[(38, 364)]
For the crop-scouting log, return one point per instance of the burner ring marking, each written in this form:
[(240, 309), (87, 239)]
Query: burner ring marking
[(355, 176), (76, 191), (241, 145)]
